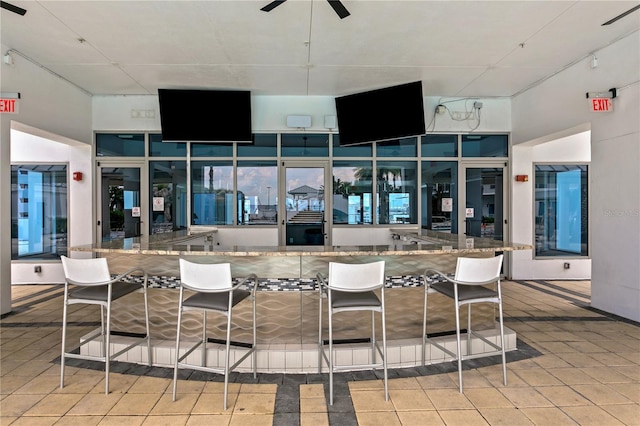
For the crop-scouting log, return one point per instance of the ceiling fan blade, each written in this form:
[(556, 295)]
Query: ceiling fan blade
[(339, 8), (272, 5), (15, 9)]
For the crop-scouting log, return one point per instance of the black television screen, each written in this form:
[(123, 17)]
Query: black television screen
[(383, 114), (205, 115)]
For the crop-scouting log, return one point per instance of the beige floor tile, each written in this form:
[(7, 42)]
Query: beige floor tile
[(209, 419), (601, 394), (366, 385), (36, 421), (40, 384), (314, 419), (369, 400), (437, 381), (580, 360), (525, 397), (463, 417), (628, 414), (630, 390), (251, 419), (404, 383), (562, 396), (213, 404), (377, 419), (448, 399), (312, 391), (572, 376), (183, 405), (313, 405), (9, 384), (122, 421), (95, 404), (17, 405), (537, 377), (487, 398), (551, 361), (80, 383), (410, 400), (607, 375), (118, 383), (79, 420), (218, 387), (54, 405), (256, 403), (166, 420), (548, 416), (258, 388), (591, 415), (505, 416), (137, 404), (420, 418), (146, 384)]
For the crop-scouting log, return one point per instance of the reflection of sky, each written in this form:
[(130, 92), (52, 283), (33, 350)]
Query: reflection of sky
[(299, 176), (254, 182)]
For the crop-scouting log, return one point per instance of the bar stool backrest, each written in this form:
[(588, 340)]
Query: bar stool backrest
[(356, 277), (86, 271), (205, 277), (478, 270)]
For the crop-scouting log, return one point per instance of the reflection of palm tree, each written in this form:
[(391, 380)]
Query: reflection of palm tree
[(387, 182), (341, 188)]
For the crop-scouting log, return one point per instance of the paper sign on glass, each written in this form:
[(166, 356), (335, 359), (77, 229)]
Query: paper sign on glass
[(158, 204), (135, 211), (447, 204), (469, 212)]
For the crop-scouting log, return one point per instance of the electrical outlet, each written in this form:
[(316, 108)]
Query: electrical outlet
[(567, 265), (37, 269)]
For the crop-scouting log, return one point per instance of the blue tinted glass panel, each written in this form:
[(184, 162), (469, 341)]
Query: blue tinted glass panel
[(485, 145), (212, 150), (119, 145), (439, 146), (397, 192), (212, 192), (157, 148), (397, 148), (364, 150), (352, 192), (305, 145), (264, 145)]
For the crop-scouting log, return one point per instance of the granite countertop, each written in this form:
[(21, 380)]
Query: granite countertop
[(406, 242)]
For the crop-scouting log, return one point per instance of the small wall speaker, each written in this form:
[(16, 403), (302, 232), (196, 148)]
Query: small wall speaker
[(330, 122), (298, 121)]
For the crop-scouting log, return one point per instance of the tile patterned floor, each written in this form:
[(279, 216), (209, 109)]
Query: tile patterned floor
[(575, 365)]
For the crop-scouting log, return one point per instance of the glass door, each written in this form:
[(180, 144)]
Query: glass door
[(303, 190), (122, 205), (484, 199)]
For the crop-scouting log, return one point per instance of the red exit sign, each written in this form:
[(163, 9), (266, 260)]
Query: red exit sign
[(8, 106), (600, 104)]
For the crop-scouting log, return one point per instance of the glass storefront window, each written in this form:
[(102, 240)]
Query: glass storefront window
[(397, 148), (257, 192), (305, 145), (38, 211), (168, 180), (439, 146), (119, 144), (364, 150), (439, 195), (485, 145), (212, 193), (211, 149), (157, 148), (561, 210), (264, 145), (397, 194), (352, 192)]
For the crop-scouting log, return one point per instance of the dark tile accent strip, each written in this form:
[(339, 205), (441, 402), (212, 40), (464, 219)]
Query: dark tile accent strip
[(562, 289)]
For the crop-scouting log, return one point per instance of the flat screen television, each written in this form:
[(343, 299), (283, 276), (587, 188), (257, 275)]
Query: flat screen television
[(188, 115), (382, 114)]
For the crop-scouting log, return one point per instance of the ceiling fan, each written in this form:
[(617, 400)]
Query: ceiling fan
[(12, 8), (337, 6)]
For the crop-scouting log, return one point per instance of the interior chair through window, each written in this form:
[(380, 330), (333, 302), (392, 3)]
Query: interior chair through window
[(351, 287), (213, 290), (476, 280), (89, 281)]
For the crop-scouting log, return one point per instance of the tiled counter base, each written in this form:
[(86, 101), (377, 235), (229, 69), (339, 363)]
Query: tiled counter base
[(295, 358)]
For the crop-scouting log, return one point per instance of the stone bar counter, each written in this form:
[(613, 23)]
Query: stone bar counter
[(287, 298)]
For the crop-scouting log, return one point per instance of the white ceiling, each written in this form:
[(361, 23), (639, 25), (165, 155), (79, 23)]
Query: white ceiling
[(457, 48)]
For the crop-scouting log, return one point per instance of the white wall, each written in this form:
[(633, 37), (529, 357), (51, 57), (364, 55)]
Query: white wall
[(564, 150), (614, 207), (269, 113), (48, 103), (28, 148)]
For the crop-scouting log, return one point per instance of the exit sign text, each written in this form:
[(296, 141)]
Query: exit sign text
[(8, 106), (601, 104)]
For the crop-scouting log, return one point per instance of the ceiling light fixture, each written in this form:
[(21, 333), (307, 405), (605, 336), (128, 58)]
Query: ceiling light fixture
[(622, 15), (7, 59)]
